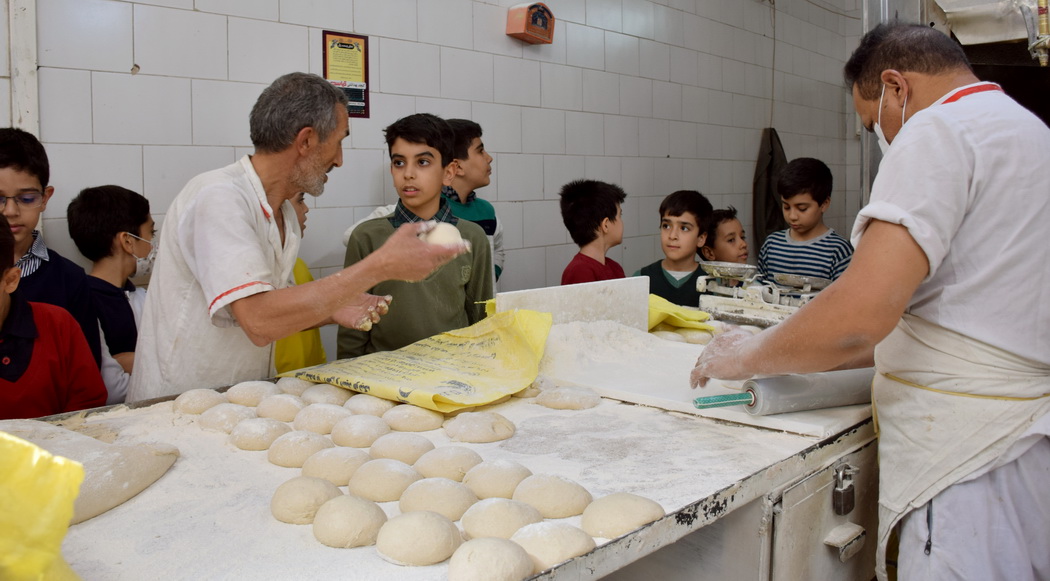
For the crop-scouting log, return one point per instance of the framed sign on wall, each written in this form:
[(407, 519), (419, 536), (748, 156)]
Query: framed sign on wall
[(346, 66)]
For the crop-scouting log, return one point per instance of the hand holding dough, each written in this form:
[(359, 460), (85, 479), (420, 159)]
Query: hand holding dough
[(442, 233)]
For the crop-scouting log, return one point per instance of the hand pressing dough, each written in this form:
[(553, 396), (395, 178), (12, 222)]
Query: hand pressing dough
[(450, 462), (294, 385), (569, 398), (496, 478), (335, 465), (320, 417), (489, 560), (359, 431), (223, 417), (281, 407), (250, 393), (618, 514), (443, 233), (553, 496), (326, 393), (550, 543), (257, 433), (197, 401), (382, 480), (418, 538), (441, 495), (401, 446), (292, 449), (364, 403), (347, 521), (410, 418), (297, 500), (479, 427), (498, 517)]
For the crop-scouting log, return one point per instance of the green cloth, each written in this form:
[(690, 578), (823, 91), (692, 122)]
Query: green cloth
[(444, 301)]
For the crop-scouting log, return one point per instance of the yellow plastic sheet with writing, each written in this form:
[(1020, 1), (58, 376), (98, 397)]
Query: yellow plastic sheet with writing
[(37, 490), (493, 358), (664, 311)]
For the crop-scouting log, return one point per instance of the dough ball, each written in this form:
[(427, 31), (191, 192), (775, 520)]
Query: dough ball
[(618, 514), (335, 465), (326, 393), (382, 480), (410, 418), (496, 478), (479, 427), (498, 517), (223, 417), (197, 401), (250, 393), (347, 521), (669, 336), (450, 462), (696, 336), (720, 326), (750, 329), (297, 500), (490, 560), (550, 543), (569, 398), (541, 383), (441, 495), (359, 431), (320, 417), (257, 433), (281, 407), (292, 449), (294, 385), (418, 538), (363, 403), (553, 496), (443, 233), (401, 446), (663, 327)]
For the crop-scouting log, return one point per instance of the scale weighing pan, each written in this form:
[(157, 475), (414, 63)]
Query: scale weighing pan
[(799, 281), (735, 270)]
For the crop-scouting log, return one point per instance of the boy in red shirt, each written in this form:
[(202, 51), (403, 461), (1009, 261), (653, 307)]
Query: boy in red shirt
[(592, 214)]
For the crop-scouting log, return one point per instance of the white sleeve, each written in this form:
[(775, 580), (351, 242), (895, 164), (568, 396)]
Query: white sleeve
[(498, 253), (113, 375)]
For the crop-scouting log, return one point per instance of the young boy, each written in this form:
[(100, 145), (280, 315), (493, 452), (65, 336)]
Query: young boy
[(591, 212), (807, 247), (45, 363), (112, 227), (303, 349), (47, 277), (684, 216), (420, 148), (726, 239)]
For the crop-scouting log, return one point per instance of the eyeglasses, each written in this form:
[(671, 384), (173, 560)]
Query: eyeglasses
[(26, 200)]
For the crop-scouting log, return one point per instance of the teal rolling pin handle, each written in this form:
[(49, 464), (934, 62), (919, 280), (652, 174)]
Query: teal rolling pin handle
[(721, 401)]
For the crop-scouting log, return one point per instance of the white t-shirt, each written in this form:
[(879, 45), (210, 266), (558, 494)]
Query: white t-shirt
[(970, 180), (113, 375), (219, 243)]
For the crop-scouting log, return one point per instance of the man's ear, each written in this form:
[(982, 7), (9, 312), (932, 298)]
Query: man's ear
[(304, 140), (896, 85), (9, 280)]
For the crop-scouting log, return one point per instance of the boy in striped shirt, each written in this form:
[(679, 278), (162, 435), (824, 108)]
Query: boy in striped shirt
[(807, 247)]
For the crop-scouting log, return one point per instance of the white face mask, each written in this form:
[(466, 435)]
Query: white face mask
[(884, 144), (144, 265)]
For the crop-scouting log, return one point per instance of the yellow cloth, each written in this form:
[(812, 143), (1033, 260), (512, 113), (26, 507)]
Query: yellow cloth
[(37, 490), (664, 311), (495, 357), (303, 349)]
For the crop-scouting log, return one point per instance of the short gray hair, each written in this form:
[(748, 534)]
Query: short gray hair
[(289, 104)]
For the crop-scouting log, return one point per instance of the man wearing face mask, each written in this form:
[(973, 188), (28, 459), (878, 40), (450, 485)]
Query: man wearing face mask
[(946, 293), (112, 227)]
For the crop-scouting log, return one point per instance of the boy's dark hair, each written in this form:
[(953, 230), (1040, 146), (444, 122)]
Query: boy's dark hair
[(904, 47), (690, 201), (717, 218), (430, 130), (7, 245), (802, 175), (98, 214), (463, 132), (292, 102), (584, 204), (22, 151)]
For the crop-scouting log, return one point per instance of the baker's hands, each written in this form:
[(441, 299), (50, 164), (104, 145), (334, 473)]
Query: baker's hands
[(363, 311), (406, 257), (721, 359)]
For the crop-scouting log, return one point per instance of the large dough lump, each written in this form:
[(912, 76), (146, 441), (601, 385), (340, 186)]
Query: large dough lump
[(489, 560), (550, 543), (479, 427), (441, 495), (553, 496), (450, 462), (618, 514), (418, 538), (292, 449), (382, 480), (498, 517), (347, 521), (297, 500), (496, 478)]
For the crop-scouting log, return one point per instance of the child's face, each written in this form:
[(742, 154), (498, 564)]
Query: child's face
[(24, 200), (418, 176), (804, 215), (615, 233), (680, 237), (301, 209), (476, 170), (730, 243)]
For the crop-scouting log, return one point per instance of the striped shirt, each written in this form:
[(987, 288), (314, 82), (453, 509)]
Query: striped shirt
[(30, 261), (825, 256)]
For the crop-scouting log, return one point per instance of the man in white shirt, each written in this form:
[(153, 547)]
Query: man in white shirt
[(219, 295), (948, 281)]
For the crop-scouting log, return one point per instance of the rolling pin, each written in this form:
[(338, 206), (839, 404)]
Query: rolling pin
[(795, 393)]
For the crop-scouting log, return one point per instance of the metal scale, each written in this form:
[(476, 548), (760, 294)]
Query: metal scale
[(751, 303)]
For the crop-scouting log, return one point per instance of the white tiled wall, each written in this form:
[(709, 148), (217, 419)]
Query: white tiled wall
[(656, 95)]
